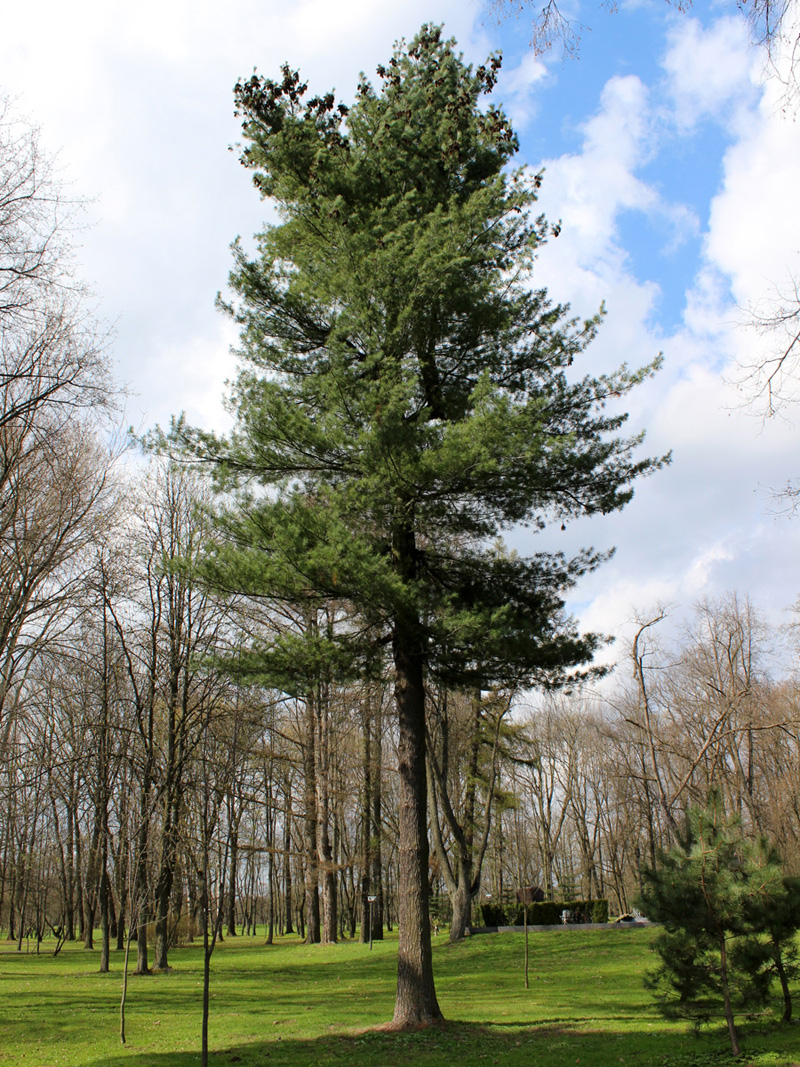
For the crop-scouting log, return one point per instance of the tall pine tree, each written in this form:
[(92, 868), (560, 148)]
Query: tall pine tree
[(405, 397)]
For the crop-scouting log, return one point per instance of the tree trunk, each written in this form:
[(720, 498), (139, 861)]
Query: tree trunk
[(462, 866), (371, 866), (287, 859), (310, 825), (92, 883), (105, 925), (726, 995), (231, 923), (416, 1002), (467, 885), (161, 924), (113, 925), (325, 852), (467, 876), (269, 830), (366, 826), (376, 860), (193, 903), (79, 876), (139, 910), (271, 899), (782, 978), (461, 902), (166, 875)]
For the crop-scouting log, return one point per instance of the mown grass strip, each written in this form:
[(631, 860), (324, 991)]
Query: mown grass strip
[(292, 1005)]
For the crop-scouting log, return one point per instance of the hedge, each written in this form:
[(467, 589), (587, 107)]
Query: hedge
[(546, 913)]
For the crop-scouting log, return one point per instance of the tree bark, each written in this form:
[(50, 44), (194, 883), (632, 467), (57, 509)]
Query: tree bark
[(325, 851), (231, 902), (784, 982), (461, 901), (726, 995), (366, 826), (287, 858), (105, 924), (376, 864), (416, 1002), (269, 830), (139, 909), (310, 825), (462, 867), (166, 876)]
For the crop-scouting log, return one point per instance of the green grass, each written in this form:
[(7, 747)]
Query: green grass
[(292, 1004)]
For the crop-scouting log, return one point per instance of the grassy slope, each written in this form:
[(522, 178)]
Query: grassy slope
[(296, 1005)]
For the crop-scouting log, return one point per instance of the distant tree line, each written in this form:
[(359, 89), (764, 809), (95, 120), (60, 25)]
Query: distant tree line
[(124, 713)]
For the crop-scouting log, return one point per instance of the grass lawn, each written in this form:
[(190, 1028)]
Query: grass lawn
[(291, 1004)]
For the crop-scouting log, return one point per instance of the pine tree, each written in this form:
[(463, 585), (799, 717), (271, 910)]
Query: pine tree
[(727, 915), (772, 910), (406, 396)]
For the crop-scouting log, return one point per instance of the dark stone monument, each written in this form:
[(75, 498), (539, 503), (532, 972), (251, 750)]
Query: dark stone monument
[(530, 894)]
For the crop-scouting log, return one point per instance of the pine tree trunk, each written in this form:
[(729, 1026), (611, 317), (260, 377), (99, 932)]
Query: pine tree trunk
[(416, 1002), (726, 995), (787, 994)]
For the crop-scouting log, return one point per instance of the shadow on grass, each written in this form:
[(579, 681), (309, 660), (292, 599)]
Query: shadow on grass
[(462, 1043), (547, 1044)]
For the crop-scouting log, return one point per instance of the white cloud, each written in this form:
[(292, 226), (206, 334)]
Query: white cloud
[(754, 230), (699, 573), (139, 101), (698, 528), (516, 87), (589, 190), (752, 246), (705, 70)]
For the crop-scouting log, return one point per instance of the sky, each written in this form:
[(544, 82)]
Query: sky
[(670, 157)]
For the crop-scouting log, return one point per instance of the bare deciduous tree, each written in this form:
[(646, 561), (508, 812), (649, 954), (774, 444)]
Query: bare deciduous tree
[(552, 24), (54, 384)]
